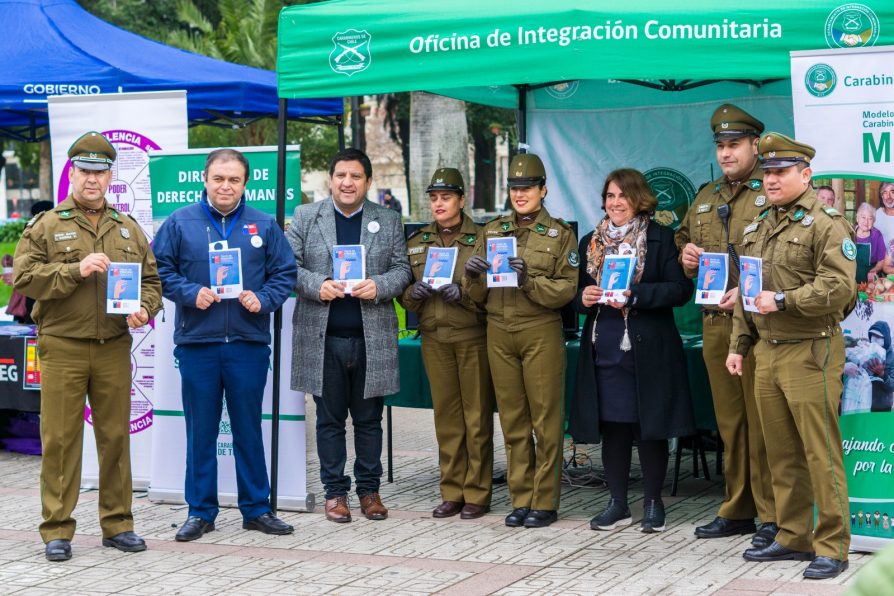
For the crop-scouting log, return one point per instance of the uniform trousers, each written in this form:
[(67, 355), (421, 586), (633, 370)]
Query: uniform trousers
[(210, 373), (748, 488), (528, 368), (70, 370), (798, 390)]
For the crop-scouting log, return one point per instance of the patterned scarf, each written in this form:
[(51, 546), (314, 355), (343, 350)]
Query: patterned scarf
[(607, 240)]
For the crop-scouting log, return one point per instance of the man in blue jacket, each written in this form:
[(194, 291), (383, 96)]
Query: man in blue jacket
[(223, 335)]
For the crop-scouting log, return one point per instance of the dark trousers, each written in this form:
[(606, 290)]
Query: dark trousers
[(207, 371), (617, 447), (344, 375)]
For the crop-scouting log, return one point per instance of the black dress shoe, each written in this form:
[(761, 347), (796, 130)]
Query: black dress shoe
[(58, 550), (825, 568), (195, 527), (516, 519), (540, 518), (126, 541), (776, 552), (722, 527), (765, 535), (268, 524)]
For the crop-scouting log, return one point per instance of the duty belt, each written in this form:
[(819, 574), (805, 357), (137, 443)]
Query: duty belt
[(829, 332), (716, 313)]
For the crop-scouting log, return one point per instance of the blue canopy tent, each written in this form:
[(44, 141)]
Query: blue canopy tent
[(55, 47)]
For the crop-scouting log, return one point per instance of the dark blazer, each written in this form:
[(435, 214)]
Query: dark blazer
[(665, 408)]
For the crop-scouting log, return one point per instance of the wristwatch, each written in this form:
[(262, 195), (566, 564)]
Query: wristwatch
[(779, 298)]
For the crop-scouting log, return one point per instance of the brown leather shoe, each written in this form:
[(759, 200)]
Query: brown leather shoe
[(472, 511), (371, 506), (447, 509), (337, 510)]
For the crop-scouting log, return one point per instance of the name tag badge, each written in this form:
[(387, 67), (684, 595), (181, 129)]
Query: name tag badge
[(63, 236), (416, 250), (703, 208), (219, 245)]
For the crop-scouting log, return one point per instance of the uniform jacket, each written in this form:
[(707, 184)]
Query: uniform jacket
[(805, 255), (47, 268), (549, 251), (312, 236), (665, 407), (268, 270), (438, 320), (703, 227)]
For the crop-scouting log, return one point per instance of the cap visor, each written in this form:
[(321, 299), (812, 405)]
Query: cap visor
[(97, 166), (524, 182), (728, 135), (780, 163)]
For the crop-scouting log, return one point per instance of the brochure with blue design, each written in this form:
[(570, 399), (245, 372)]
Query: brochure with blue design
[(123, 288), (617, 274), (225, 269), (348, 265), (499, 251), (751, 281), (440, 263), (713, 275)]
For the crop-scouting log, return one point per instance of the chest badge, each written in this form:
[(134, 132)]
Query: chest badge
[(257, 241), (125, 233), (808, 219), (373, 227), (760, 201)]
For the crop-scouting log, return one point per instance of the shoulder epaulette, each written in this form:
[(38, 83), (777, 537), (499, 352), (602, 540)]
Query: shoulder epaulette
[(832, 212), (415, 233), (34, 219), (494, 219), (564, 223)]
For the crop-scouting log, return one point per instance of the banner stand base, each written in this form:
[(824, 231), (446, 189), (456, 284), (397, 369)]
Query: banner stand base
[(305, 503), (868, 544), (139, 484)]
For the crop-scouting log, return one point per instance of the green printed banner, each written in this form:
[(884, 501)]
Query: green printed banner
[(176, 179), (868, 445)]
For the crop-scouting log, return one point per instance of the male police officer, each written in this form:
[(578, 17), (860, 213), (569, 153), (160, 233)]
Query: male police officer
[(525, 344), (714, 223), (62, 262), (454, 351), (808, 287)]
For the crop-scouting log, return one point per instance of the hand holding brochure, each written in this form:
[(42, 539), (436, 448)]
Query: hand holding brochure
[(123, 288), (617, 274), (751, 281), (225, 269), (348, 265), (440, 263), (499, 251), (713, 275)]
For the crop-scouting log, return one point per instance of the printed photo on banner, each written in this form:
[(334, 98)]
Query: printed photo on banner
[(750, 281), (225, 269), (440, 263), (713, 275), (617, 273), (348, 265), (123, 288), (499, 251)]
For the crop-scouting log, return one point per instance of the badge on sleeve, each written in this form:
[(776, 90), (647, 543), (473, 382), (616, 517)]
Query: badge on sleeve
[(574, 258), (849, 249)]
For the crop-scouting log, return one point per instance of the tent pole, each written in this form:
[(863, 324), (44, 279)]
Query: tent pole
[(522, 117), (277, 316), (341, 131)]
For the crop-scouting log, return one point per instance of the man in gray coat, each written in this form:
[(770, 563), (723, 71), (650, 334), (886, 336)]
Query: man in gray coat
[(345, 344)]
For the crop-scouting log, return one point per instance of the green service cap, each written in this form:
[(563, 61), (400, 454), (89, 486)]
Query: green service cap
[(732, 122), (776, 150), (526, 169), (92, 151), (447, 179)]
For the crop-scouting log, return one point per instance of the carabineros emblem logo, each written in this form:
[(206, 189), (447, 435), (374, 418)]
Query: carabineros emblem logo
[(674, 192), (851, 26), (820, 80), (350, 52)]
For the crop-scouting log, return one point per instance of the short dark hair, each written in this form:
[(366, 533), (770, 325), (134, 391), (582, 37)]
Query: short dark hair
[(226, 155), (825, 187), (352, 154), (635, 187)]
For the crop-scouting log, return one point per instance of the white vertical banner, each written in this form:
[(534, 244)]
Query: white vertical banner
[(134, 123), (844, 108), (169, 456)]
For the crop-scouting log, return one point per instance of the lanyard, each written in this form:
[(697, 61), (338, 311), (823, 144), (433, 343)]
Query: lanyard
[(235, 216)]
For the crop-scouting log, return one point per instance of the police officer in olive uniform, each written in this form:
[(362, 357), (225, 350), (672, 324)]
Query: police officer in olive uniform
[(525, 344), (62, 262), (808, 288), (714, 223), (454, 351)]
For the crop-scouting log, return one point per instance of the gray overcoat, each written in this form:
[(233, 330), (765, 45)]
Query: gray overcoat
[(312, 236)]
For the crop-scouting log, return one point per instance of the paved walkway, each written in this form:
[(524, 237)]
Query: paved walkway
[(410, 553)]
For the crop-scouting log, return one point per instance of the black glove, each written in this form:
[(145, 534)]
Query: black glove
[(518, 265), (450, 292), (475, 266), (420, 291)]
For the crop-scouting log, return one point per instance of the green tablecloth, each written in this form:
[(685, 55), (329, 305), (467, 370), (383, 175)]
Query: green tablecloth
[(415, 391)]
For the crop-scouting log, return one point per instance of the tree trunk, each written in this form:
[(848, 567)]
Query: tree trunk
[(439, 138), (485, 169), (46, 172)]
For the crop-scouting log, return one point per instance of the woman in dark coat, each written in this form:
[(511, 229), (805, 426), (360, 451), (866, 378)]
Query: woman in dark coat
[(631, 373)]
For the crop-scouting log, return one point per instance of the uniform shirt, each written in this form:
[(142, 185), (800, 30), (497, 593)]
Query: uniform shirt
[(808, 253), (549, 249), (703, 227), (47, 268), (449, 323)]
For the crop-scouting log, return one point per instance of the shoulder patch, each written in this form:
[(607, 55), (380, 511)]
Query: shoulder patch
[(849, 249), (573, 258)]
